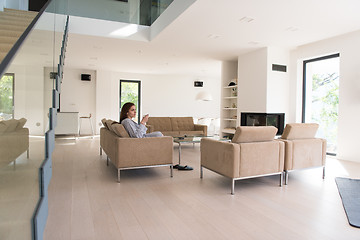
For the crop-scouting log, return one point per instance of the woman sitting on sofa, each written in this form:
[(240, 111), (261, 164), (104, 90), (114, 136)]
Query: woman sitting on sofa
[(135, 130)]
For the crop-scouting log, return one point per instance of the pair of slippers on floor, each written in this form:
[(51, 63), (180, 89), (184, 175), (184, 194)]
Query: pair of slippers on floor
[(179, 167)]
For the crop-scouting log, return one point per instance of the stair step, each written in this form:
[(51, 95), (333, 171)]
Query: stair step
[(13, 22), (21, 13), (8, 33), (5, 39), (16, 19), (2, 56), (13, 28), (30, 13), (5, 47)]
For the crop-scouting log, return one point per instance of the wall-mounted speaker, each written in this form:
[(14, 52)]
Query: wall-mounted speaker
[(53, 75), (85, 77), (198, 84)]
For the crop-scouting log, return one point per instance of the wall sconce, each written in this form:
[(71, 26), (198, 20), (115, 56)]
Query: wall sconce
[(204, 96)]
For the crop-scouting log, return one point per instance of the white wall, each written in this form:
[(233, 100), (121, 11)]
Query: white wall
[(252, 77), (162, 95), (29, 96), (349, 88), (278, 82), (79, 96)]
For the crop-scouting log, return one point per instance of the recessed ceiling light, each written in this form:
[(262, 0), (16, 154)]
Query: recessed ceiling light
[(213, 36), (246, 19), (292, 29)]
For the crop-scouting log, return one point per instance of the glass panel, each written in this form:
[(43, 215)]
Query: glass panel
[(130, 92), (7, 97), (322, 99), (22, 141)]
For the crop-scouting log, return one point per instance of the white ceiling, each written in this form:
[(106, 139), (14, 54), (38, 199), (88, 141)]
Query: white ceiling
[(210, 31)]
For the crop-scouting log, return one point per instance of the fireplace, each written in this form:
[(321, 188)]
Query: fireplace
[(264, 119)]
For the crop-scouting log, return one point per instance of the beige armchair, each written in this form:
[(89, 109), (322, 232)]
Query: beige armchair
[(302, 149), (253, 152)]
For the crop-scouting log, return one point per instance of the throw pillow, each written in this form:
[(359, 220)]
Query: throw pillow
[(21, 123), (103, 121), (11, 125), (120, 130), (3, 127)]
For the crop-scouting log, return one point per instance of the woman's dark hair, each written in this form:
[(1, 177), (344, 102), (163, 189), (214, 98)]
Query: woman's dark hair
[(124, 110)]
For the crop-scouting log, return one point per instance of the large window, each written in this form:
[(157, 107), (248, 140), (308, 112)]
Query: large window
[(321, 97), (130, 92), (7, 97)]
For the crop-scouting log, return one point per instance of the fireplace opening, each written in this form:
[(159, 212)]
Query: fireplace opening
[(264, 119)]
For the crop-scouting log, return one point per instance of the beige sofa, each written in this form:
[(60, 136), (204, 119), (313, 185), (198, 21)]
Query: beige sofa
[(302, 149), (14, 140), (129, 153), (176, 126), (253, 152)]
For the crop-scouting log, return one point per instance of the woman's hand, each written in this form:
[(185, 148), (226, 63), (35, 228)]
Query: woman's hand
[(145, 119)]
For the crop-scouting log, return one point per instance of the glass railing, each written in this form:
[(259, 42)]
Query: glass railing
[(22, 138), (142, 12)]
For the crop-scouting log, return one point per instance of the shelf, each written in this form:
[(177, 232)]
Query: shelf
[(228, 130), (230, 97), (229, 108), (235, 86)]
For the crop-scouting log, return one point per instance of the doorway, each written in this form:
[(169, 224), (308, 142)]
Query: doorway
[(321, 97), (130, 91)]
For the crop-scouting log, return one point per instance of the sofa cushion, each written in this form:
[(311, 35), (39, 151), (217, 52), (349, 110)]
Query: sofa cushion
[(103, 121), (300, 130), (3, 127), (11, 125), (21, 123), (172, 133), (254, 134), (119, 130), (162, 124), (108, 124), (191, 133), (182, 123)]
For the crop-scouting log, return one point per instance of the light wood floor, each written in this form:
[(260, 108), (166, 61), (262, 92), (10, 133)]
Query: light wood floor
[(86, 202)]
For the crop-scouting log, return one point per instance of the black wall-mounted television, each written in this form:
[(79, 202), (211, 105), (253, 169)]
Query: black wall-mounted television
[(264, 119)]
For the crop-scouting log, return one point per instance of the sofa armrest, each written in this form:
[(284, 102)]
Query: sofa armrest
[(198, 127), (136, 152), (221, 157)]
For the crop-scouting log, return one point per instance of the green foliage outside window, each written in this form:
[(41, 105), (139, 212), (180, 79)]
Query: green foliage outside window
[(129, 93), (325, 100), (6, 97)]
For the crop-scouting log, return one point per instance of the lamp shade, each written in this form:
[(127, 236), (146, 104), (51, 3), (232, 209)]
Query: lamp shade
[(204, 96)]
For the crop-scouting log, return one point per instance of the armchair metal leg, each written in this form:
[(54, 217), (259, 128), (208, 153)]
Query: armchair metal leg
[(232, 186), (118, 175), (323, 172), (107, 160), (171, 170), (281, 178), (100, 151), (201, 172), (286, 177), (27, 153)]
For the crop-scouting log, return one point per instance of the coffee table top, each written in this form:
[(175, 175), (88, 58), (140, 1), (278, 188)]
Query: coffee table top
[(197, 139)]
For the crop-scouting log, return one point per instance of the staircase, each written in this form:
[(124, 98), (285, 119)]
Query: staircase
[(12, 24)]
